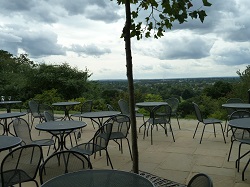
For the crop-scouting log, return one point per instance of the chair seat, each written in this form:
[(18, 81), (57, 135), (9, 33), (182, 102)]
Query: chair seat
[(87, 148), (157, 121), (211, 121), (117, 135), (15, 176), (43, 142)]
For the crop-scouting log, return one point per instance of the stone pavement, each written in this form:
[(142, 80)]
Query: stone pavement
[(177, 161)]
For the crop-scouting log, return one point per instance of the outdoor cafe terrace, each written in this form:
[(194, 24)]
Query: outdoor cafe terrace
[(176, 161)]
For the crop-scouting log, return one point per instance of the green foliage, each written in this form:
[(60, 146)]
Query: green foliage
[(49, 97), (153, 97), (219, 89), (161, 15)]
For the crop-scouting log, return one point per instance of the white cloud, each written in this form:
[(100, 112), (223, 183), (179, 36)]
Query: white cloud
[(87, 33)]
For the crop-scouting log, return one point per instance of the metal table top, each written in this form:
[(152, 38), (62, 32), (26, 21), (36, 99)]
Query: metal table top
[(150, 104), (237, 105), (60, 125), (11, 115), (98, 114), (69, 103), (97, 178), (7, 142), (241, 123)]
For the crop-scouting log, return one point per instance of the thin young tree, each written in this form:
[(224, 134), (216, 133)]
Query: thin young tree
[(161, 16)]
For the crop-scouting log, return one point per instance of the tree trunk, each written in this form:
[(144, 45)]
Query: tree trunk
[(129, 66)]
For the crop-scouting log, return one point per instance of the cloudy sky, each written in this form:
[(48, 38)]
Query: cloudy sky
[(86, 34)]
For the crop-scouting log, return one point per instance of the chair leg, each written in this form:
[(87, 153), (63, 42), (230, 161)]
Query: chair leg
[(229, 154), (108, 159), (129, 149), (243, 172), (178, 121), (196, 129), (214, 130), (223, 133), (202, 133), (152, 134), (171, 131)]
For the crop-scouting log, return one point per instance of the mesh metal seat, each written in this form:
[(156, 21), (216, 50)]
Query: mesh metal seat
[(120, 130), (160, 115), (63, 162), (110, 108), (98, 143), (174, 103), (20, 165), (200, 180), (206, 122), (22, 130), (230, 111)]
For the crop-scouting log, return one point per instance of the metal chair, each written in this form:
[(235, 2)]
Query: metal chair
[(21, 165), (120, 130), (86, 107), (34, 109), (200, 180), (124, 108), (22, 130), (98, 143), (174, 103), (110, 108), (63, 162), (239, 135), (160, 115), (230, 111), (206, 122)]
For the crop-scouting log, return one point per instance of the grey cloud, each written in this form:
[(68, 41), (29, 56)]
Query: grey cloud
[(185, 48), (233, 56), (89, 50), (12, 5)]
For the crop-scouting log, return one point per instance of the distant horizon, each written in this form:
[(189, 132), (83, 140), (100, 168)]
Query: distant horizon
[(170, 78)]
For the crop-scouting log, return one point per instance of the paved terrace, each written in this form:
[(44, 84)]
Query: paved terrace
[(177, 161)]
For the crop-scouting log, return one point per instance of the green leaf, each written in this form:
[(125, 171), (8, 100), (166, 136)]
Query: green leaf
[(206, 3)]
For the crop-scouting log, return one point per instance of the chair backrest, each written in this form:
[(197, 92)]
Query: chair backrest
[(198, 112), (33, 106), (45, 107), (124, 107), (200, 180), (48, 116), (239, 133), (174, 103), (121, 125), (22, 130), (101, 138), (63, 162), (87, 106), (21, 165), (233, 100), (161, 113), (110, 108)]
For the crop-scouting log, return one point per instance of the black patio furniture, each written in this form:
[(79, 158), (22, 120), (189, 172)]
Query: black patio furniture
[(99, 116), (65, 127), (120, 130), (8, 104), (34, 110), (97, 178), (8, 142), (21, 165), (149, 105), (6, 116), (174, 104), (61, 163), (200, 180), (206, 122), (22, 130), (238, 135), (160, 116), (244, 124), (98, 143), (230, 110), (67, 106)]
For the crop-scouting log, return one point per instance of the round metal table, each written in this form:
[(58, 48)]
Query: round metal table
[(65, 127), (237, 105), (150, 105), (8, 142), (67, 106), (97, 117), (5, 116), (8, 104), (99, 178)]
